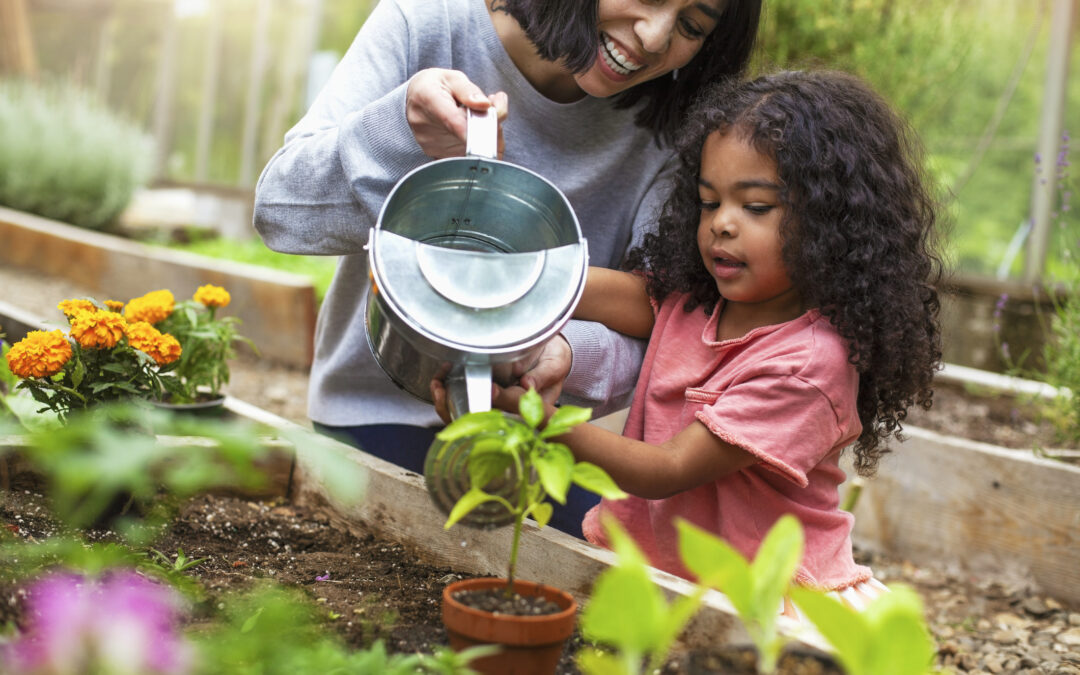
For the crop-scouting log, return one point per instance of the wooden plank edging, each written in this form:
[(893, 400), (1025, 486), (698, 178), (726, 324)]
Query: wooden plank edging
[(989, 510), (277, 308)]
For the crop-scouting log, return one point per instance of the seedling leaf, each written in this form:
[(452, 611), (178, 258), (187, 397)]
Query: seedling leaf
[(595, 479), (555, 467)]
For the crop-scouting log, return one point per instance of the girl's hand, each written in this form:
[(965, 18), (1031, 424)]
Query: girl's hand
[(435, 105)]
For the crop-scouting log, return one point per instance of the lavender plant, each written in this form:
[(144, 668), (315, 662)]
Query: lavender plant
[(1061, 352)]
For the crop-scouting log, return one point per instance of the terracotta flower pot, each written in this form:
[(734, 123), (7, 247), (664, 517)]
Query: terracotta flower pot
[(530, 645)]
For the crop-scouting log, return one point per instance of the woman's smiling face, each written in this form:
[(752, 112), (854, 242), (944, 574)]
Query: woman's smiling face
[(644, 39)]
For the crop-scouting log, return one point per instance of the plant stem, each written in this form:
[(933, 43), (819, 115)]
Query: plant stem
[(524, 472)]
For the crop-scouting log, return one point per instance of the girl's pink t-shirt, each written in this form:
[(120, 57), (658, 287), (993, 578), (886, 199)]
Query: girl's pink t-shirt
[(785, 393)]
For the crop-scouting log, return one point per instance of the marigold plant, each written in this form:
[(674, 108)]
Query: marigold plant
[(101, 358), (208, 342)]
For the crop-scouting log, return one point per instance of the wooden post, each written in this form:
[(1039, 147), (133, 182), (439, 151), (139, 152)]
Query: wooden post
[(1050, 130), (259, 51), (297, 59), (103, 63), (166, 88), (204, 139), (16, 42)]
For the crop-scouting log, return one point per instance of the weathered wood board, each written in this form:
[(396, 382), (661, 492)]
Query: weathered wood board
[(277, 309), (947, 500)]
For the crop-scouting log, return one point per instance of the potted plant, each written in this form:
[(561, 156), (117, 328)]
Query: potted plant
[(196, 379), (102, 357), (514, 464)]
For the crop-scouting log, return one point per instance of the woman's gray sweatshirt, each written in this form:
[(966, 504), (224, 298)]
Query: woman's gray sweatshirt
[(322, 192)]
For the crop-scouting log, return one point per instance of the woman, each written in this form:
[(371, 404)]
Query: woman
[(595, 97)]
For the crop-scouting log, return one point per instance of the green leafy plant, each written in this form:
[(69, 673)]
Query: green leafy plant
[(628, 614), (279, 631), (180, 563), (889, 637), (208, 341), (112, 451), (541, 468), (756, 589)]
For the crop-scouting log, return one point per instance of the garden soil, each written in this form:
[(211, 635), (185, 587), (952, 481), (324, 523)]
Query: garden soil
[(372, 588)]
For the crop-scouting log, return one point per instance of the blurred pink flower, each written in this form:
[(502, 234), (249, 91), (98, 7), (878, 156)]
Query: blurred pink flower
[(119, 623)]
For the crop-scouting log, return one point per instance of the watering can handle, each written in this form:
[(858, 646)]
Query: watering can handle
[(468, 389), (482, 133)]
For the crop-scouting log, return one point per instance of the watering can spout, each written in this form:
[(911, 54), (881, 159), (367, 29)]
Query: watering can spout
[(468, 389)]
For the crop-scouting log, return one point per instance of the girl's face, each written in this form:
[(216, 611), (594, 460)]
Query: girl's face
[(643, 39), (739, 229)]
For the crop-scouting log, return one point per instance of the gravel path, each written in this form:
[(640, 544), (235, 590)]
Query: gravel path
[(985, 625)]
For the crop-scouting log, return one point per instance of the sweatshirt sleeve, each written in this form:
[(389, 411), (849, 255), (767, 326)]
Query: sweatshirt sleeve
[(322, 191), (606, 364)]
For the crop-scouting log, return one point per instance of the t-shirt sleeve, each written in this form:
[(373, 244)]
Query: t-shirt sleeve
[(789, 424)]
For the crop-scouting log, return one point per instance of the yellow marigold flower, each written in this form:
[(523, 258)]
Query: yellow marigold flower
[(152, 307), (212, 296), (114, 305), (39, 354), (75, 305), (97, 330), (161, 347)]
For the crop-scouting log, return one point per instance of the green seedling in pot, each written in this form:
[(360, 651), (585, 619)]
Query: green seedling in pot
[(889, 637), (756, 589), (537, 467), (627, 613)]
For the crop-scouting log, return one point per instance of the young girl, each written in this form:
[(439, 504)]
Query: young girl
[(789, 302)]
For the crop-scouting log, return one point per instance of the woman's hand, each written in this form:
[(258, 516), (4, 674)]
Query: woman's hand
[(547, 374), (435, 105)]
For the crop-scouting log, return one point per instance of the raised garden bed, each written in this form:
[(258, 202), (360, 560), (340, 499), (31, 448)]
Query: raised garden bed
[(979, 506), (277, 309)]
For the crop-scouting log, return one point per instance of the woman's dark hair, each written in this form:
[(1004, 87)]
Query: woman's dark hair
[(858, 233), (566, 30)]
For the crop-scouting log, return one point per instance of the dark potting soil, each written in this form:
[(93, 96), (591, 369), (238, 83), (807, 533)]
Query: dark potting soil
[(498, 601)]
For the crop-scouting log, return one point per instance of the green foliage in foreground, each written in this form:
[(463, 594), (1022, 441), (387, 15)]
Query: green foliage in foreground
[(889, 637), (628, 615), (634, 627), (275, 630), (252, 251), (65, 156), (757, 588)]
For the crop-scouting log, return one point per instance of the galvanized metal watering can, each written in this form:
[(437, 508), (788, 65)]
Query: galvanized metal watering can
[(475, 263)]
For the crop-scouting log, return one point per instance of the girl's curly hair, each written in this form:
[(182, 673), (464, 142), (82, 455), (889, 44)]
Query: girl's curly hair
[(858, 233)]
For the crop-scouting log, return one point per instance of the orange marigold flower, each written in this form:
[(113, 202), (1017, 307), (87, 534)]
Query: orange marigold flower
[(114, 305), (152, 307), (100, 329), (75, 305), (39, 354), (168, 350), (161, 347), (212, 296)]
